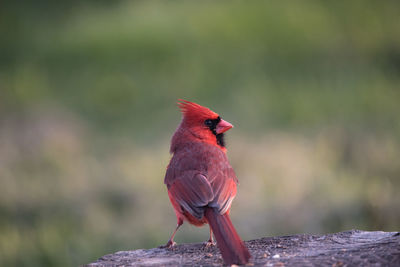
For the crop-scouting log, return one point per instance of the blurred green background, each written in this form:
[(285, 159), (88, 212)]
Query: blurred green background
[(87, 109)]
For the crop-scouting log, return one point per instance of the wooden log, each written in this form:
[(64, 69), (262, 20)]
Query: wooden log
[(350, 248)]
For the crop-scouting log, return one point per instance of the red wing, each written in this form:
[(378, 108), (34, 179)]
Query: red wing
[(193, 192), (224, 189), (200, 176)]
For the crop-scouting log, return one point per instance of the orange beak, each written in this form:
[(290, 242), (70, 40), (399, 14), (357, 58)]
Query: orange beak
[(223, 126)]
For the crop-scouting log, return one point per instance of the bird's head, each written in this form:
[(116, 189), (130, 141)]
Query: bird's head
[(204, 124)]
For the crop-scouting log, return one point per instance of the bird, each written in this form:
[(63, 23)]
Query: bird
[(201, 182)]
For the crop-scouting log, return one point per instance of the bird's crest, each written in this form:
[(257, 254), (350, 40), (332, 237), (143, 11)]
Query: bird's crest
[(192, 110)]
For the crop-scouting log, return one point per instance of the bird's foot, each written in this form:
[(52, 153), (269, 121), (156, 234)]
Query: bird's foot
[(170, 244), (209, 244)]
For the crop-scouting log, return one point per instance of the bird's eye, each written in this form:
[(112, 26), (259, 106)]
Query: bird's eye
[(208, 122)]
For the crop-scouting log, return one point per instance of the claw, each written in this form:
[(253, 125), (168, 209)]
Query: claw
[(209, 244), (170, 244)]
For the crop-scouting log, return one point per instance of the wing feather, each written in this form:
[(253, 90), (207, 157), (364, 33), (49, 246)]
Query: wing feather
[(201, 176), (193, 192)]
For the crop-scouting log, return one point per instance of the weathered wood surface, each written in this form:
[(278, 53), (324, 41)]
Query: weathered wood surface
[(350, 248)]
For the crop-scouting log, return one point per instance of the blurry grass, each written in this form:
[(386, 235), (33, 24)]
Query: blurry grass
[(136, 58), (87, 94)]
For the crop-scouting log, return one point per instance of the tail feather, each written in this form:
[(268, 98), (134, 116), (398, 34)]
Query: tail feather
[(231, 246)]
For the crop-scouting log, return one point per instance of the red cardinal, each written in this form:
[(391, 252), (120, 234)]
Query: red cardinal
[(201, 183)]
